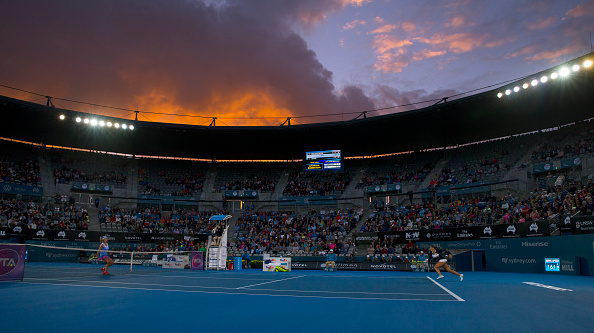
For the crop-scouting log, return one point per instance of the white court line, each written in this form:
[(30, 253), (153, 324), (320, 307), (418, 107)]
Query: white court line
[(257, 284), (238, 293), (545, 286), (447, 290)]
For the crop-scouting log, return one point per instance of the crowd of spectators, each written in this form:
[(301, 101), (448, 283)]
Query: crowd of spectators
[(251, 183), (189, 184), (468, 173), (151, 220), (64, 175), (316, 183), (62, 216), (20, 171), (389, 251), (398, 174), (286, 232), (569, 198), (552, 151)]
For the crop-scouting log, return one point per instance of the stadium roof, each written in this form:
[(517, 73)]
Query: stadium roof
[(475, 118)]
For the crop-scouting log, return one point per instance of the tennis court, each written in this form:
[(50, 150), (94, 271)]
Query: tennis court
[(150, 299)]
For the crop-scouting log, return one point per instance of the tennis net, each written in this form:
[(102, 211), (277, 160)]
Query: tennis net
[(42, 261)]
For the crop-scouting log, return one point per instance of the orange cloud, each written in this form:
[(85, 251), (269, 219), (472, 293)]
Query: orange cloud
[(426, 54), (456, 22), (246, 105), (379, 19), (542, 23), (356, 3), (384, 29), (408, 26), (457, 43), (525, 50), (582, 9), (391, 62), (553, 55), (384, 43), (353, 24)]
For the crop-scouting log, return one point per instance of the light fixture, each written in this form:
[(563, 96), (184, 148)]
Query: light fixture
[(554, 76), (516, 89), (116, 125), (588, 63), (62, 117), (507, 92), (575, 68), (93, 122), (124, 126), (534, 82), (108, 124), (86, 121), (499, 94), (544, 79), (564, 71), (78, 120), (131, 127), (101, 123), (525, 85)]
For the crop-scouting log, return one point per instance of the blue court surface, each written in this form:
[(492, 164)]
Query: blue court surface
[(54, 298)]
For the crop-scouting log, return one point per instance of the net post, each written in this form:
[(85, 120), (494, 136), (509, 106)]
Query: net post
[(131, 260)]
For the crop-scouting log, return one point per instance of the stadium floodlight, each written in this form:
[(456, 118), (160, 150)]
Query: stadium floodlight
[(116, 125), (499, 94), (525, 85), (62, 117), (516, 89), (124, 126), (575, 68), (108, 124), (101, 123), (588, 63), (564, 71), (507, 92), (86, 121), (554, 75), (131, 127), (93, 122), (78, 120), (534, 83), (544, 79)]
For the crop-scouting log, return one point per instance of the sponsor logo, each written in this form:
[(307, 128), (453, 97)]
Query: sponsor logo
[(577, 161), (364, 238), (82, 235), (547, 167), (7, 188), (382, 266), (234, 193), (254, 193), (40, 233), (535, 244), (412, 235), (498, 246), (511, 229), (464, 234), (62, 234), (298, 265), (2, 233), (132, 238), (487, 230), (36, 189), (567, 220), (521, 261), (17, 229), (428, 235), (377, 188), (9, 259), (534, 227)]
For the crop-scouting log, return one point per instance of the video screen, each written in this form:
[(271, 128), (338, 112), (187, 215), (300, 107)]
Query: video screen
[(323, 160)]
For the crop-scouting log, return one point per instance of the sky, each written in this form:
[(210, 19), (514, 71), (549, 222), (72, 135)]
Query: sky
[(259, 62)]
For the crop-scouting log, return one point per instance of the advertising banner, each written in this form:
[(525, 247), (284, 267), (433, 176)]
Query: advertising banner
[(21, 189), (12, 262), (197, 261)]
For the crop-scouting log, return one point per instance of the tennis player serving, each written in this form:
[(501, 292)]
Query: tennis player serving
[(442, 256), (103, 255)]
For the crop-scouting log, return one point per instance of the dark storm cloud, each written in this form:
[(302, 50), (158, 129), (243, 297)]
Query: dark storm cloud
[(235, 58)]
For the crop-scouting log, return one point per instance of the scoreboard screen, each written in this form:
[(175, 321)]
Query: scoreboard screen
[(323, 160), (552, 265)]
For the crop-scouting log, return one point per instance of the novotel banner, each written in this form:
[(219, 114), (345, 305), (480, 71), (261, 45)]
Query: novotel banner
[(12, 262)]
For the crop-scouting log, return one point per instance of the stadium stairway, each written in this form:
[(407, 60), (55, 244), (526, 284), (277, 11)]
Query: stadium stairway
[(93, 218)]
